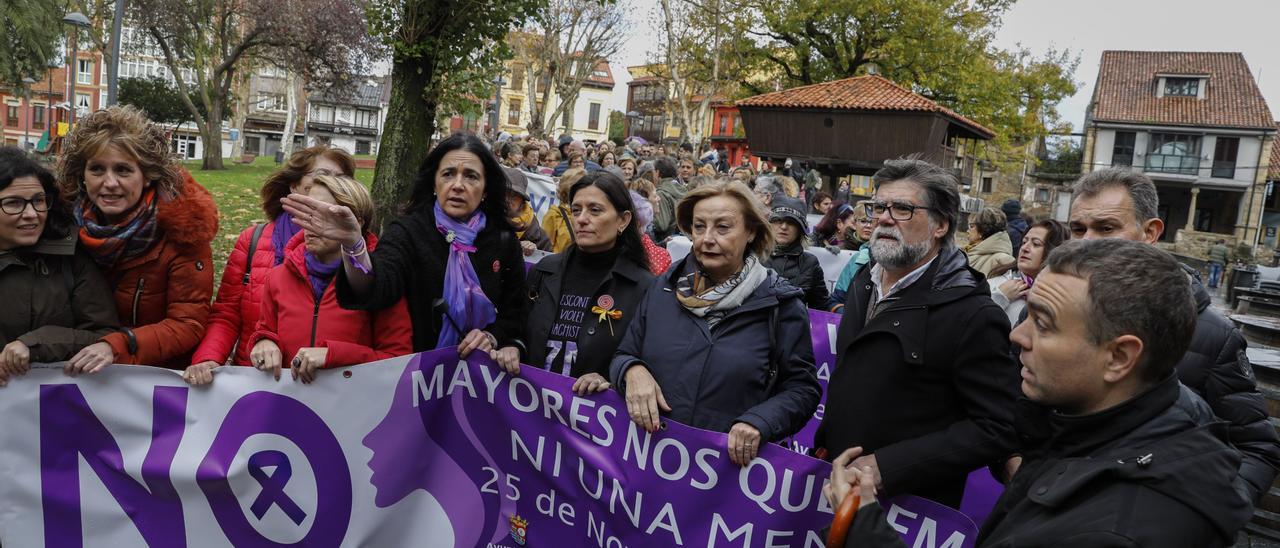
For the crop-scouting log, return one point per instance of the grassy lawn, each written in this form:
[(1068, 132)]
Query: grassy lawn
[(236, 191)]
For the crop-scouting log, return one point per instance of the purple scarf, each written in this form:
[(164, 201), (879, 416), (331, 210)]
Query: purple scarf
[(281, 234), (320, 274), (469, 308)]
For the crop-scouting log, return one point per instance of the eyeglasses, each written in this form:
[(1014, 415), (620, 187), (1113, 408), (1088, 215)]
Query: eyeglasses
[(899, 212), (864, 221), (15, 205)]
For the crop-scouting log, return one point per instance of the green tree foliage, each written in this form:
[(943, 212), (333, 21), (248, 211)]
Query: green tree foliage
[(160, 99), (941, 49), (617, 126), (31, 29), (445, 55)]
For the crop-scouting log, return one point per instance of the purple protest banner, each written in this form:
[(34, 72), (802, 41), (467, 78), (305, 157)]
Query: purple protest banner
[(524, 460), (417, 450), (822, 328)]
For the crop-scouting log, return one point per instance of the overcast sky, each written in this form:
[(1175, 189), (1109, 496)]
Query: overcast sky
[(1086, 27)]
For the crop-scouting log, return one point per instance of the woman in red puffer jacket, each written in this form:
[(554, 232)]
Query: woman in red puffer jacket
[(300, 324), (235, 312)]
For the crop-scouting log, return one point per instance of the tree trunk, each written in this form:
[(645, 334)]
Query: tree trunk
[(290, 114), (211, 133), (239, 112), (406, 137)]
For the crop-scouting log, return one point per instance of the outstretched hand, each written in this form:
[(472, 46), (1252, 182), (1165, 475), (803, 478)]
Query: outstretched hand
[(332, 221)]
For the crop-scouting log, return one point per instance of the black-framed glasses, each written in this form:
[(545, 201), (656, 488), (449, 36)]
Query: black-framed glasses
[(14, 205), (897, 211)]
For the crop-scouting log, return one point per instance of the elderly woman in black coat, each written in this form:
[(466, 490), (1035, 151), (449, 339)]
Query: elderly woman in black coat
[(720, 341)]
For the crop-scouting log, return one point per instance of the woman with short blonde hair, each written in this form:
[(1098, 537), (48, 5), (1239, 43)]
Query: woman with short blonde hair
[(301, 326), (259, 247), (752, 211), (747, 369)]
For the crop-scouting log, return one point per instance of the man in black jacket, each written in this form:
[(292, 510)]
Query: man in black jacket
[(1121, 454), (925, 384), (1119, 203)]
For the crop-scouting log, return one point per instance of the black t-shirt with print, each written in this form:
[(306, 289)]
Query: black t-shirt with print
[(577, 295)]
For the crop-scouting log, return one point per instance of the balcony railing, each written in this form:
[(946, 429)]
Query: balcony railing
[(1224, 170), (1172, 163)]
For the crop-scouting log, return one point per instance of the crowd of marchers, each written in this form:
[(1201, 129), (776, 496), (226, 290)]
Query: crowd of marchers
[(1081, 364)]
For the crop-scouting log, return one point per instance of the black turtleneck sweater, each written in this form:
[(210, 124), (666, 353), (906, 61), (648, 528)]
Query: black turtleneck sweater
[(582, 278)]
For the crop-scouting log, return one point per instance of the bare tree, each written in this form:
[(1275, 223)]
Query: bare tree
[(563, 46), (691, 64), (321, 40)]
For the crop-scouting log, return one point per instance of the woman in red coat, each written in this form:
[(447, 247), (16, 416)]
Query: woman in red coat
[(301, 321), (148, 225), (235, 312)]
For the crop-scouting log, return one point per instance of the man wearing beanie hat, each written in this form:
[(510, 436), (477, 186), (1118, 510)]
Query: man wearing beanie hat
[(520, 213), (789, 259), (1015, 225)]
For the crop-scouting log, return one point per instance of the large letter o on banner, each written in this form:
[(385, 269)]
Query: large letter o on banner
[(267, 413)]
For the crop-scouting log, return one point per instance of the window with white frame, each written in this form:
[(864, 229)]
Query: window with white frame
[(343, 116), (1181, 87), (84, 71), (593, 116), (322, 114), (83, 102), (273, 102), (366, 118)]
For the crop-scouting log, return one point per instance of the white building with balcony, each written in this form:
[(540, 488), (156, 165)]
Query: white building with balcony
[(1197, 124), (351, 120)]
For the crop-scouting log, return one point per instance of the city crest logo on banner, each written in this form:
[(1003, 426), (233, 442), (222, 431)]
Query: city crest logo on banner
[(519, 529)]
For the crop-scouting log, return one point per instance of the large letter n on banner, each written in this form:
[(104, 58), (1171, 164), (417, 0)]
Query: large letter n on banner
[(69, 429)]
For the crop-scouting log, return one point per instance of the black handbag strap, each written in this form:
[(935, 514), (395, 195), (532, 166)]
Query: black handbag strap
[(253, 249)]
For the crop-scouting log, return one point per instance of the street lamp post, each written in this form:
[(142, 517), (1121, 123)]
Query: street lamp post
[(113, 69), (26, 133), (77, 21)]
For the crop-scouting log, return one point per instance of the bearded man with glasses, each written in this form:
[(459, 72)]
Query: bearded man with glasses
[(924, 385)]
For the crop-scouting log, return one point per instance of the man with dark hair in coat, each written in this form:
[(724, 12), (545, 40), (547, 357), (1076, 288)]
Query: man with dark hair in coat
[(925, 385), (1120, 453), (1119, 203)]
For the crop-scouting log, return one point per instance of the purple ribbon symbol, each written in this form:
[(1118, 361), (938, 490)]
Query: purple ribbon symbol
[(273, 485)]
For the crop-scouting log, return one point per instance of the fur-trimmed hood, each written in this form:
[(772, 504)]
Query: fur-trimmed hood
[(190, 219)]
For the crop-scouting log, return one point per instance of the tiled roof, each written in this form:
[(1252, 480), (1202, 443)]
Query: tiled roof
[(870, 92), (368, 92), (1127, 80), (604, 81), (1273, 173)]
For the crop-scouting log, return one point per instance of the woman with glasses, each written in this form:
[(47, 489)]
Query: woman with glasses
[(989, 246), (148, 225), (260, 247), (56, 300)]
